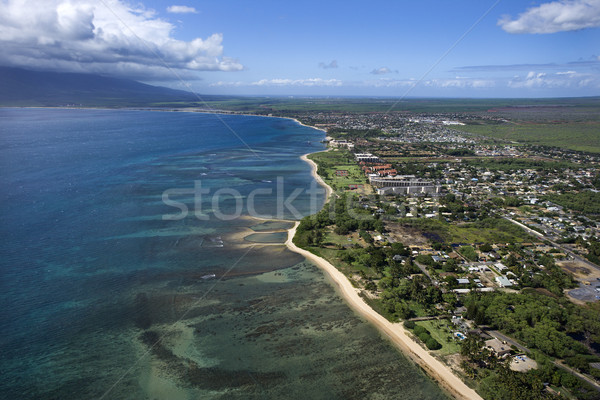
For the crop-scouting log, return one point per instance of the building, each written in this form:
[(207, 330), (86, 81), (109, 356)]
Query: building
[(405, 184), (497, 347), (341, 143), (500, 267), (366, 157), (503, 281)]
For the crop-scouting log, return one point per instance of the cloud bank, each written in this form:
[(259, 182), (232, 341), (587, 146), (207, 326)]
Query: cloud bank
[(308, 82), (181, 10), (108, 37), (561, 79), (557, 16)]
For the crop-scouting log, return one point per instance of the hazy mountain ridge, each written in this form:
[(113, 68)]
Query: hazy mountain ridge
[(21, 87)]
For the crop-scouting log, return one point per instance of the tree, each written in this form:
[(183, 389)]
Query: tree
[(471, 347), (486, 247)]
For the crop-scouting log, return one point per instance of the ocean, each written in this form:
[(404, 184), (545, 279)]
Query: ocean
[(136, 264)]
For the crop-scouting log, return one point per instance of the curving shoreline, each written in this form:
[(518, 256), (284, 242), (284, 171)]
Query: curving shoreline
[(394, 331), (317, 177)]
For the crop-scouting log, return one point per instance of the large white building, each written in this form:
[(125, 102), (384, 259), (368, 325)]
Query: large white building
[(405, 185), (366, 157)]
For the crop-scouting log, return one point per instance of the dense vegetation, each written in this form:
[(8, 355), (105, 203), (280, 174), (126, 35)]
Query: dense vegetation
[(344, 214), (424, 335), (552, 325), (585, 202), (496, 381)]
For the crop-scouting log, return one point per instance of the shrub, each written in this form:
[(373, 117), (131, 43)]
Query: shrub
[(418, 329), (424, 337), (409, 325), (433, 344)]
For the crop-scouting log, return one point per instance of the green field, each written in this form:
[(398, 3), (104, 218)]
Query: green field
[(487, 231), (580, 136), (338, 160), (441, 330)]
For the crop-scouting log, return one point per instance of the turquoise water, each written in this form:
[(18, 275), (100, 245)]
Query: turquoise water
[(110, 292)]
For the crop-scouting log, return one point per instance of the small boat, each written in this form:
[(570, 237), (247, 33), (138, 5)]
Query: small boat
[(209, 276)]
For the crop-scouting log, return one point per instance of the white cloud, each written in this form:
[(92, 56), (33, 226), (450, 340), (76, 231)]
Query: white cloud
[(108, 37), (298, 82), (181, 10), (556, 16), (460, 82), (542, 80), (283, 82), (382, 71)]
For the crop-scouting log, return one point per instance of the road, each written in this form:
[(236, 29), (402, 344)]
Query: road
[(423, 268), (503, 338)]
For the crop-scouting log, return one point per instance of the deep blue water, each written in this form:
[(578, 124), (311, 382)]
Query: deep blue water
[(102, 297)]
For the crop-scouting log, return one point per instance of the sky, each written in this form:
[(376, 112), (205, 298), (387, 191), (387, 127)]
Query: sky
[(426, 48)]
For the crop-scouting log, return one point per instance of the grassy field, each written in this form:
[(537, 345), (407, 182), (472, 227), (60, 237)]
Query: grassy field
[(343, 240), (340, 160), (333, 256), (497, 231), (580, 136), (441, 330)]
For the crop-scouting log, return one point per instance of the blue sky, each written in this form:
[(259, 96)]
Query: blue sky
[(463, 48)]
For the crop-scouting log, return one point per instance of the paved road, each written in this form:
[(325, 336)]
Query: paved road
[(423, 268), (511, 341)]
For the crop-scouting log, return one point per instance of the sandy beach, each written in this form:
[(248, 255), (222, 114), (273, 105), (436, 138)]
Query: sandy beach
[(314, 167), (395, 331)]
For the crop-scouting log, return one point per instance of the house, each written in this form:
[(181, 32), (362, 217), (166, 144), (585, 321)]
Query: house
[(500, 267), (497, 347), (461, 291), (463, 281), (503, 281)]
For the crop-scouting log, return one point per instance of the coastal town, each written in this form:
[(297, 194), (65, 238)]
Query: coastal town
[(466, 240)]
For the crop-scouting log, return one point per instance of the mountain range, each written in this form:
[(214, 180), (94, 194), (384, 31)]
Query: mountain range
[(21, 87)]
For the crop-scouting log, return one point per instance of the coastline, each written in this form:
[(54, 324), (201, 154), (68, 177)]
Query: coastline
[(314, 172), (434, 368)]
